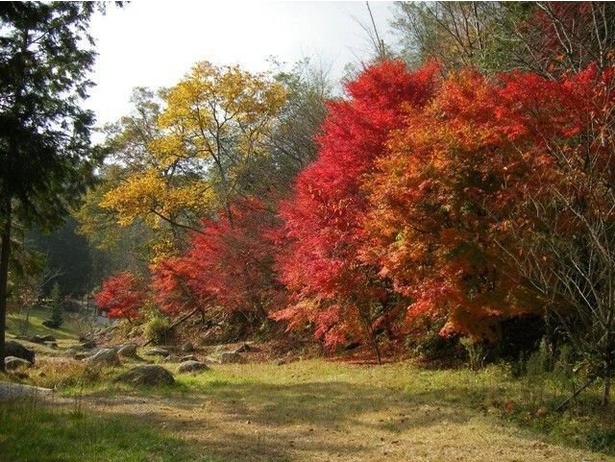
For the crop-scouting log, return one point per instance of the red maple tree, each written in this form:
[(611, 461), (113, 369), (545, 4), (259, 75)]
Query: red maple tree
[(487, 158), (121, 296), (331, 287), (228, 267)]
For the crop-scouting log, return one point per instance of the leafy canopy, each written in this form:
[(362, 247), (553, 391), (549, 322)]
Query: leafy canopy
[(212, 125)]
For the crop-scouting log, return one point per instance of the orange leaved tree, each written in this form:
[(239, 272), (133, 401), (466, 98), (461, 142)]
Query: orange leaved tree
[(430, 232), (331, 287)]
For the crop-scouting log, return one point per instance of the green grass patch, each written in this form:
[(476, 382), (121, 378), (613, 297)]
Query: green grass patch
[(18, 324), (329, 393), (318, 410), (333, 395), (30, 432)]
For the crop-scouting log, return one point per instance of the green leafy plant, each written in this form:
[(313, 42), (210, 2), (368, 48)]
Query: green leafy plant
[(156, 329)]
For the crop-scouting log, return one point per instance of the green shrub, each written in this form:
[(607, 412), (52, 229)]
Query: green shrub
[(476, 352), (156, 329)]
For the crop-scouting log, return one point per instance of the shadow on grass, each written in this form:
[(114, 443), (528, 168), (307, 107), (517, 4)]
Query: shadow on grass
[(311, 411), (321, 420), (32, 432)]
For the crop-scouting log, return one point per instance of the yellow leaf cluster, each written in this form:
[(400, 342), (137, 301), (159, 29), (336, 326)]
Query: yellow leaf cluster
[(219, 111), (148, 195), (211, 126)]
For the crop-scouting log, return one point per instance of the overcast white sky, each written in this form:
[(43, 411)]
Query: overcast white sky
[(154, 43)]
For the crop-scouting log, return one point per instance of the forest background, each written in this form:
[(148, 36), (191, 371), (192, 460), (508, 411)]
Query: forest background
[(457, 200)]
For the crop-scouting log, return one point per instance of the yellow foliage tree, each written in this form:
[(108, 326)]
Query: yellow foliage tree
[(190, 155)]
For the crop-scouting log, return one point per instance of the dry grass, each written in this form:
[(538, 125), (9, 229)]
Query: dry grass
[(317, 410), (321, 411)]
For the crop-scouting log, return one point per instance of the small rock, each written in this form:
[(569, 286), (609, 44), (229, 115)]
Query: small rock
[(192, 366), (148, 375), (157, 351), (104, 357), (42, 338), (129, 350), (12, 362), (88, 344), (187, 358), (51, 344), (187, 347), (243, 348), (16, 349)]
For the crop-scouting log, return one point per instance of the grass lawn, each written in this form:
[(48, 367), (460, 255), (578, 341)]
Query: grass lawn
[(69, 330), (314, 410), (306, 410), (32, 432)]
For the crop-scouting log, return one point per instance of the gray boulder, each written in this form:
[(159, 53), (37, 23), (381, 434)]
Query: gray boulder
[(104, 357), (12, 362), (192, 366), (9, 391), (12, 348), (128, 351), (148, 375)]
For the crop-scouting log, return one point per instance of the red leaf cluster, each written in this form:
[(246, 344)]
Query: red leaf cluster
[(121, 296), (468, 169), (228, 266), (419, 192), (331, 286)]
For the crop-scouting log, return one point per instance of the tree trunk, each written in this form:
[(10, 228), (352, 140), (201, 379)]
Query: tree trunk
[(371, 335), (5, 249), (608, 365), (563, 404), (606, 388), (376, 348), (550, 339)]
